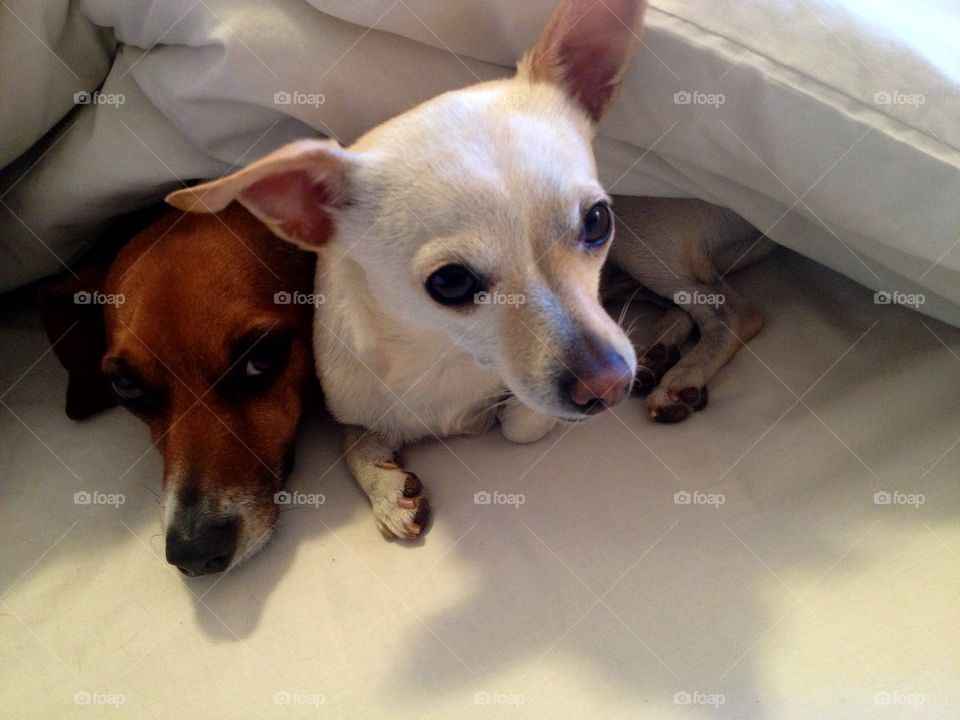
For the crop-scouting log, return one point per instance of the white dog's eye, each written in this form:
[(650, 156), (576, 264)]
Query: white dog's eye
[(454, 285), (597, 225)]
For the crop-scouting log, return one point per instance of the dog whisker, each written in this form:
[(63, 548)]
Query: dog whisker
[(626, 306), (153, 492)]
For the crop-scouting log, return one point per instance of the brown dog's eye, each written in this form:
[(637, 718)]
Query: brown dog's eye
[(597, 225), (126, 388), (454, 285), (265, 359)]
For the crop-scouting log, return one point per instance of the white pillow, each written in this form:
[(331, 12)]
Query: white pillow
[(786, 121), (838, 129)]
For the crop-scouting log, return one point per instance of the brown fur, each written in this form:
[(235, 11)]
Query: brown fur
[(193, 286)]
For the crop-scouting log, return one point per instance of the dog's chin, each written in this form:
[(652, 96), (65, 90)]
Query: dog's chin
[(251, 543), (563, 411), (571, 416)]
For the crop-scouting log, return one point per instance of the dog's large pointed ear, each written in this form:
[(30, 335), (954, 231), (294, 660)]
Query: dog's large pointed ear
[(74, 325), (585, 49), (294, 191)]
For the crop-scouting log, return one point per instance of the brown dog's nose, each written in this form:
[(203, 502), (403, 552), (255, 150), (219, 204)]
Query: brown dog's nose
[(604, 387), (209, 549)]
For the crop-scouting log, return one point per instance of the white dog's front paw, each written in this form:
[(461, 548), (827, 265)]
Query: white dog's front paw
[(402, 513), (522, 424), (670, 404)]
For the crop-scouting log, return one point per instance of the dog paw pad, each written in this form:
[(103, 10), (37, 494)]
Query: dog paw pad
[(671, 413), (653, 365), (675, 406), (412, 486)]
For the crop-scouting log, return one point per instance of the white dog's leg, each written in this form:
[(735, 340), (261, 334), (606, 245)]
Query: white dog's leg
[(522, 424), (399, 503), (669, 334), (724, 328)]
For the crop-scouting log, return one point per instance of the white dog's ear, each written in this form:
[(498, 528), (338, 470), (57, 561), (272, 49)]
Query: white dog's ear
[(292, 190), (585, 49)]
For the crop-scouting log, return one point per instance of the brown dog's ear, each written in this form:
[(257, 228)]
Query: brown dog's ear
[(292, 191), (585, 49), (74, 325)]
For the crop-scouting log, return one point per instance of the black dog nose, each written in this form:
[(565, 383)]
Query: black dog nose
[(208, 550)]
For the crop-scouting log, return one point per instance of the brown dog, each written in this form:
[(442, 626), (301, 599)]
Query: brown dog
[(200, 327)]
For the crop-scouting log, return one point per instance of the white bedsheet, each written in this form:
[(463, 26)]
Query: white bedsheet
[(803, 144), (802, 596), (797, 598)]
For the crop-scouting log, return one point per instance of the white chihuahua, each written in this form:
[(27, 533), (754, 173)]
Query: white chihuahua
[(461, 246)]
